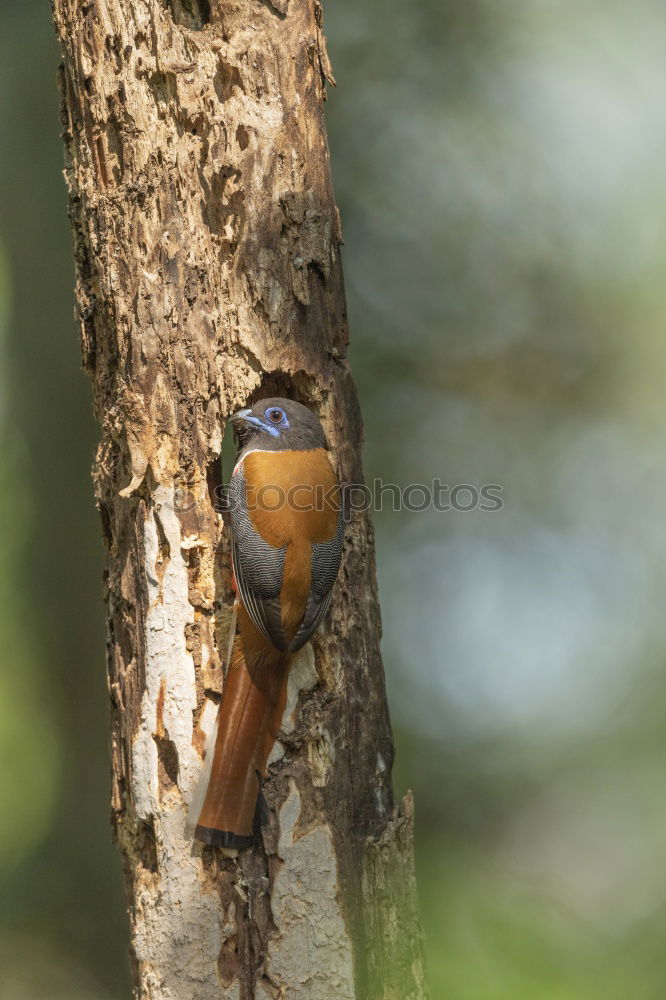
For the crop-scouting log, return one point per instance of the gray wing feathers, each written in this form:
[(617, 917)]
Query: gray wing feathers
[(325, 563), (326, 560), (259, 567)]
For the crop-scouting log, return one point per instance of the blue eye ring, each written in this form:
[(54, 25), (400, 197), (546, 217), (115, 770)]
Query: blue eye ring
[(275, 415)]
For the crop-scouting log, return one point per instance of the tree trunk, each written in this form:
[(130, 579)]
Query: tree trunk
[(207, 246)]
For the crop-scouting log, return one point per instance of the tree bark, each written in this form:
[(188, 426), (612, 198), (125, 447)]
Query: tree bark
[(207, 248)]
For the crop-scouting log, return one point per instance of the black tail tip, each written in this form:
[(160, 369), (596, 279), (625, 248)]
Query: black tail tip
[(222, 838)]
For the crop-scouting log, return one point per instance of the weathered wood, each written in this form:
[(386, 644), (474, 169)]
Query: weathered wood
[(207, 246)]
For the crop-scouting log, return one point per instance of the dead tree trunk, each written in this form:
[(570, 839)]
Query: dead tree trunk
[(207, 253)]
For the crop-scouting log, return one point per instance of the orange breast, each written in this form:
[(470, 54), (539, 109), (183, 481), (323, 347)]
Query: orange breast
[(293, 500)]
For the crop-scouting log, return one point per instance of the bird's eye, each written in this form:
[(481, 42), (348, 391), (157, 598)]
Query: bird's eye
[(275, 416)]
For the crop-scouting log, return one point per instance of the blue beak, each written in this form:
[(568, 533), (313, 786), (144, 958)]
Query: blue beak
[(247, 417)]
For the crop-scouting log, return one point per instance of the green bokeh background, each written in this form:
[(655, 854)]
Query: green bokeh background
[(500, 170)]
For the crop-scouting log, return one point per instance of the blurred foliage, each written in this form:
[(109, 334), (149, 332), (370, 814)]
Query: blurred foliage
[(499, 169), (28, 787), (62, 920)]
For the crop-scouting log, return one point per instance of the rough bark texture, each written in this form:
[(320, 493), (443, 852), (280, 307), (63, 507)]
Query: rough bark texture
[(208, 274)]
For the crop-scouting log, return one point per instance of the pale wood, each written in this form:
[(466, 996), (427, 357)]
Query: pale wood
[(207, 252)]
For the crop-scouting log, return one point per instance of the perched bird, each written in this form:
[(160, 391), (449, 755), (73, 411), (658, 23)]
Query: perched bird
[(286, 532)]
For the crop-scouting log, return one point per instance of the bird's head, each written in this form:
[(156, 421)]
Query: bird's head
[(277, 425)]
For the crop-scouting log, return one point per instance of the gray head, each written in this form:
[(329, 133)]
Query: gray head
[(278, 425)]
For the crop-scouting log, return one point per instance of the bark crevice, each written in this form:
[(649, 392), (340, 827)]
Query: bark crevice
[(193, 14)]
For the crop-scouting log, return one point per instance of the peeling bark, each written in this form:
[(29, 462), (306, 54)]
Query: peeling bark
[(207, 247)]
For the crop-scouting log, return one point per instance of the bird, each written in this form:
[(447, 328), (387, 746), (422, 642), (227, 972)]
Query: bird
[(287, 526)]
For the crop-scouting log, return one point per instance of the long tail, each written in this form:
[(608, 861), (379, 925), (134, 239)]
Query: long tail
[(248, 721)]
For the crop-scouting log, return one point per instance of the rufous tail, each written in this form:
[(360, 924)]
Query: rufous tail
[(248, 721)]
